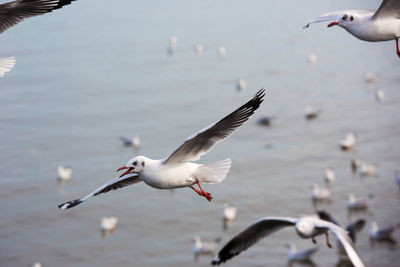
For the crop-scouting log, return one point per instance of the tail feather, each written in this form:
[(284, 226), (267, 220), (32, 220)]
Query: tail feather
[(215, 172)]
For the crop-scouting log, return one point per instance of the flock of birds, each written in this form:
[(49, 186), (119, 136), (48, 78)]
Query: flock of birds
[(180, 170)]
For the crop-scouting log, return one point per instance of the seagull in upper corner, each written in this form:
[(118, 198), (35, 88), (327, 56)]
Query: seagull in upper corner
[(368, 25), (179, 170), (14, 12), (306, 227)]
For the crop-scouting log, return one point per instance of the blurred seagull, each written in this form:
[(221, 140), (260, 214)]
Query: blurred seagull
[(240, 84), (355, 163), (348, 142), (354, 203), (306, 227), (135, 141), (320, 193), (221, 51), (379, 95), (311, 113), (6, 64), (108, 223), (368, 25), (368, 169), (312, 58), (329, 176), (384, 233), (179, 170), (228, 214), (12, 13), (371, 77), (64, 173), (201, 247), (265, 121), (302, 256), (198, 48)]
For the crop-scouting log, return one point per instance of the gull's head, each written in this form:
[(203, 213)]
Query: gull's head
[(304, 227), (134, 165), (346, 20)]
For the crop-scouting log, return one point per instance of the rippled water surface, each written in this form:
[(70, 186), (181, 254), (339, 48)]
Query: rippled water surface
[(96, 69)]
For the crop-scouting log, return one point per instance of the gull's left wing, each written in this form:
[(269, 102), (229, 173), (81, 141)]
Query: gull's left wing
[(200, 143)]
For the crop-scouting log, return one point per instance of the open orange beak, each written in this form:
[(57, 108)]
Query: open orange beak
[(124, 168), (333, 23)]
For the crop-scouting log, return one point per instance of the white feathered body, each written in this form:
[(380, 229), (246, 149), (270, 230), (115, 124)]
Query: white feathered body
[(183, 174)]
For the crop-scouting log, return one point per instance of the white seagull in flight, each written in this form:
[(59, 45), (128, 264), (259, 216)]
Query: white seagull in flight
[(179, 170), (368, 25), (306, 227)]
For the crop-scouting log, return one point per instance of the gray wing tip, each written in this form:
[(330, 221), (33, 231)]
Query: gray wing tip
[(69, 204)]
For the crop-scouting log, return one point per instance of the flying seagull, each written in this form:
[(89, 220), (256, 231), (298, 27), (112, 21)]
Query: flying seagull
[(306, 227), (368, 25), (12, 13), (179, 170)]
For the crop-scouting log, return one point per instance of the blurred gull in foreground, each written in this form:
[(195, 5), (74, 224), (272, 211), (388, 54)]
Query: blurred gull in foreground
[(6, 64), (383, 233), (329, 176), (178, 170), (301, 256), (228, 214), (306, 227), (368, 25), (201, 247), (311, 112), (354, 203), (64, 173), (348, 142)]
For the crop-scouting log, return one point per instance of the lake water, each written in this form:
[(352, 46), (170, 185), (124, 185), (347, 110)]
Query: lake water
[(92, 71)]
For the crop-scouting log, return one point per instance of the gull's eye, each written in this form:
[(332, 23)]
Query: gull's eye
[(351, 18), (134, 163), (344, 17), (143, 164)]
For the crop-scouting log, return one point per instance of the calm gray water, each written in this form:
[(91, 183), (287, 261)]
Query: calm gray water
[(93, 71)]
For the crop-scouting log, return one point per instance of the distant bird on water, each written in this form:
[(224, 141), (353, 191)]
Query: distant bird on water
[(306, 227), (319, 193), (382, 233), (368, 25), (311, 112), (354, 203), (64, 173), (348, 141), (178, 169), (329, 176), (228, 214), (299, 256), (134, 142), (201, 247)]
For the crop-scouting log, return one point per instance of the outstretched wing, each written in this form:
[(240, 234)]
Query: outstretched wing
[(251, 236), (14, 12), (6, 64), (111, 185), (344, 238), (200, 143), (334, 16), (388, 8)]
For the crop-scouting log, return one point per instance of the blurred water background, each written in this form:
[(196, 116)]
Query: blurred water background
[(96, 69)]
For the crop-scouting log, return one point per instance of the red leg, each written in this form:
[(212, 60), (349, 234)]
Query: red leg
[(327, 240), (397, 47), (201, 192)]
